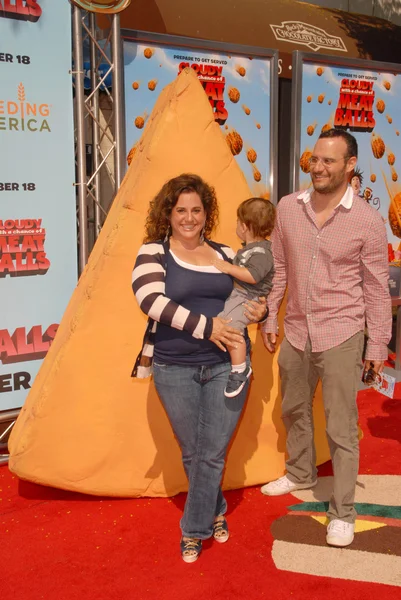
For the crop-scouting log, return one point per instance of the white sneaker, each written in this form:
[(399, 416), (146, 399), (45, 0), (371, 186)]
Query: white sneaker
[(340, 533), (284, 486)]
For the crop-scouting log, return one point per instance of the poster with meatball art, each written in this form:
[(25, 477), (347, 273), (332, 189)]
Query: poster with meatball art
[(363, 98), (38, 224), (239, 89)]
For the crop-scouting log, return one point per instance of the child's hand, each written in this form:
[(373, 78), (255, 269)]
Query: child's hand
[(221, 265)]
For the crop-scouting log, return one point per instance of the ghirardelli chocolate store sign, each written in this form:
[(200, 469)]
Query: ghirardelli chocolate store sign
[(307, 35), (23, 10)]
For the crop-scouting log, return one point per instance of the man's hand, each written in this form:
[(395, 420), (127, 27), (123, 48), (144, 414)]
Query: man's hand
[(221, 265), (376, 365), (269, 340)]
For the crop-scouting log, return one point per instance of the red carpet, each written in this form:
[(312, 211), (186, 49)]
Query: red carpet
[(62, 546)]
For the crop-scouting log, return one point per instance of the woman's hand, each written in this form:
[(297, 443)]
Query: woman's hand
[(255, 310), (223, 334)]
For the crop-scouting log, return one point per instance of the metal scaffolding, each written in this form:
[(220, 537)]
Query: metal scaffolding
[(99, 123)]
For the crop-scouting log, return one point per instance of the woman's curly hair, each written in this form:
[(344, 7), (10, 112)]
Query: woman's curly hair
[(158, 218)]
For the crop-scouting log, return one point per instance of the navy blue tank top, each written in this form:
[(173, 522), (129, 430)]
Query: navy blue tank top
[(200, 292)]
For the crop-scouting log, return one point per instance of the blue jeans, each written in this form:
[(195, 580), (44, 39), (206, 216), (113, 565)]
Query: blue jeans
[(203, 420)]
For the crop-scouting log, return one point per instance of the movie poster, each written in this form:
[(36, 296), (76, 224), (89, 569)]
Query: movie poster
[(239, 91), (38, 247), (365, 102)]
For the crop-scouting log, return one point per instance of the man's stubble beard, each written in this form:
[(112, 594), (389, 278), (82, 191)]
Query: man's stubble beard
[(333, 184)]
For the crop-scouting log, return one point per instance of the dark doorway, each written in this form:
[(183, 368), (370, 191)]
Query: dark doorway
[(284, 136)]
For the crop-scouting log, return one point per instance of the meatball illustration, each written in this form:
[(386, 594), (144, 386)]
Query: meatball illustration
[(310, 130), (304, 161), (389, 119), (378, 146), (387, 85), (135, 85), (258, 125), (246, 110), (381, 106), (390, 158), (131, 154), (148, 53), (394, 215), (397, 132), (326, 127), (256, 173), (373, 178), (241, 71), (139, 122), (234, 141), (251, 155), (329, 102), (309, 98), (319, 71), (394, 175), (320, 98), (234, 94), (152, 84)]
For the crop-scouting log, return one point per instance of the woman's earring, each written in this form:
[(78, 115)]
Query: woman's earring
[(167, 234), (202, 235)]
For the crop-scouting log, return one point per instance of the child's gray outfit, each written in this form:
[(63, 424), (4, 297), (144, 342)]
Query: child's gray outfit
[(257, 257)]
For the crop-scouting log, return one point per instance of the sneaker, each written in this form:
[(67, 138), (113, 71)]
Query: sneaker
[(284, 486), (220, 530), (340, 533), (236, 382), (190, 549)]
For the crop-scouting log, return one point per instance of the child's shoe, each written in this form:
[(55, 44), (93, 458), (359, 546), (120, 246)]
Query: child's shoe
[(236, 382)]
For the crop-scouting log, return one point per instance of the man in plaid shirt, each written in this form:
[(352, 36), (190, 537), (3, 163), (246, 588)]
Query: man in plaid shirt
[(330, 253)]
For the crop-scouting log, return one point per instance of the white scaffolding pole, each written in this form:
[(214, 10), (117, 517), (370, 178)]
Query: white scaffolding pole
[(105, 135)]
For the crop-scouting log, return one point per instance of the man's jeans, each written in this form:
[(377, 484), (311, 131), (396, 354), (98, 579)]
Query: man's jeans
[(339, 368), (203, 420)]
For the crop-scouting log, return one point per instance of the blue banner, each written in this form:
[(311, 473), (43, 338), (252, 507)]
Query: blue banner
[(366, 102), (238, 89), (38, 246)]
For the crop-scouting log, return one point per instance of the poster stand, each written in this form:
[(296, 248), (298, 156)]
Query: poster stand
[(250, 73), (38, 267), (359, 96)]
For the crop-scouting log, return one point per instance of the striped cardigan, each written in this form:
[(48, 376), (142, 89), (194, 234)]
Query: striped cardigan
[(148, 284)]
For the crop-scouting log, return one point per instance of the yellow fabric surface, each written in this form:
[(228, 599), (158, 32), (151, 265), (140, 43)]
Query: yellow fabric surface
[(86, 424)]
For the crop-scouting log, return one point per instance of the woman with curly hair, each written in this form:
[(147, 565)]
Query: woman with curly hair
[(185, 343)]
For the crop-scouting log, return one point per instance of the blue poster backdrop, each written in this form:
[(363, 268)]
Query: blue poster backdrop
[(38, 247), (366, 103), (238, 89)]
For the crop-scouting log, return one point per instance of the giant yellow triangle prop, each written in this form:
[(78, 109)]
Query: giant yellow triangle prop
[(87, 425)]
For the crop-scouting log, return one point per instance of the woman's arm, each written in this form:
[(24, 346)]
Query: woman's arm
[(148, 284)]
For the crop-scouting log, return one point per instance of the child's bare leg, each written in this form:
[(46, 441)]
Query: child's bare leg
[(238, 357)]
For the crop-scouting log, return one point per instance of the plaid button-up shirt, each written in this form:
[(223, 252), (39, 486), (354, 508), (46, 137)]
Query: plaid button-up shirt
[(336, 276)]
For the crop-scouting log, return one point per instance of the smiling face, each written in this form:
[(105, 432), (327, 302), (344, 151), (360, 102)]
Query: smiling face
[(330, 166), (187, 217)]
